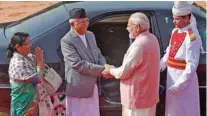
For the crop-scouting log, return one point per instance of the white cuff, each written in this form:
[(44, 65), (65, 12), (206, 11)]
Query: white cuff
[(113, 72)]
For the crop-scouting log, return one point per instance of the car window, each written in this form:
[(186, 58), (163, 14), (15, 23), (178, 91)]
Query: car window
[(166, 25), (201, 24), (123, 19), (112, 37), (120, 19), (4, 76), (40, 23)]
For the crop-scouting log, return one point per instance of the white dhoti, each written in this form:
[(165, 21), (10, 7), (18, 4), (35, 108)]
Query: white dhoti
[(83, 106), (186, 102), (139, 112)]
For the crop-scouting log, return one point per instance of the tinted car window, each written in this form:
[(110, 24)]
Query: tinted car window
[(166, 26), (201, 24), (41, 23)]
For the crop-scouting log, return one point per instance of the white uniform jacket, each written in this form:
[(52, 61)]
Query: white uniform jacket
[(181, 59)]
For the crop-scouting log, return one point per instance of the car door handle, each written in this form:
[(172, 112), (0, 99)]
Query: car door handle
[(161, 89), (202, 87), (203, 52), (5, 86)]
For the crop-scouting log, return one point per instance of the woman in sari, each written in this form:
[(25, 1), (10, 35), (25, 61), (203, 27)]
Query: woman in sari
[(24, 75)]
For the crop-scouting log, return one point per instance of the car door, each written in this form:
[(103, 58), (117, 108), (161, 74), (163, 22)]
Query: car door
[(5, 90)]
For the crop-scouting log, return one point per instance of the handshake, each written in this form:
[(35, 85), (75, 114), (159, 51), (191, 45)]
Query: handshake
[(106, 73)]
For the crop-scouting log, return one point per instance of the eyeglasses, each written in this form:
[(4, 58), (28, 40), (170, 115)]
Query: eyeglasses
[(82, 21)]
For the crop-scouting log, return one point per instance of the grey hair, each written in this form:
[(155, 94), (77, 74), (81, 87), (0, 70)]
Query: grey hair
[(72, 20), (140, 19)]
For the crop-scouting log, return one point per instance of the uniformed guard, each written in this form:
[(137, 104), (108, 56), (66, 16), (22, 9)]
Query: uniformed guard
[(181, 59)]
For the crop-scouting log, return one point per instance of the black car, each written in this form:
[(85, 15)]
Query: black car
[(108, 21)]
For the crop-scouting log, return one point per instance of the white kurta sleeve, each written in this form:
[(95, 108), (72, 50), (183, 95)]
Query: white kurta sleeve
[(192, 60), (131, 61)]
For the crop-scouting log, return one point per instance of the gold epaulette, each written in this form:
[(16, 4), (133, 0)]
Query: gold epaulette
[(191, 34)]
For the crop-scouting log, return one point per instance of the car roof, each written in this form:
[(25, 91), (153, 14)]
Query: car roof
[(97, 7), (104, 6)]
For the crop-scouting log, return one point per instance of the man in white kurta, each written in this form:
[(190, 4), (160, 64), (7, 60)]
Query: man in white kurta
[(181, 59), (140, 70)]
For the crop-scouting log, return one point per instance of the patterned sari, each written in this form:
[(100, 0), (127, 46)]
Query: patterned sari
[(23, 94)]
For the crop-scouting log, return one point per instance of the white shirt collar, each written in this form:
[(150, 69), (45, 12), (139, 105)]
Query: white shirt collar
[(184, 28), (18, 55)]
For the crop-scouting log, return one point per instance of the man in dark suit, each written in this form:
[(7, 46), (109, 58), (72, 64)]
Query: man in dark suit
[(84, 63)]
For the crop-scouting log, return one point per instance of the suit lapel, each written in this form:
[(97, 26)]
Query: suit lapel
[(80, 44), (89, 41)]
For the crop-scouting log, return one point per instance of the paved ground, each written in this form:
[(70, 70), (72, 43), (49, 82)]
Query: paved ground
[(12, 10)]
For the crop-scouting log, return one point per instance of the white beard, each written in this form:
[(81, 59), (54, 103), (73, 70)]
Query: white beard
[(131, 36)]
